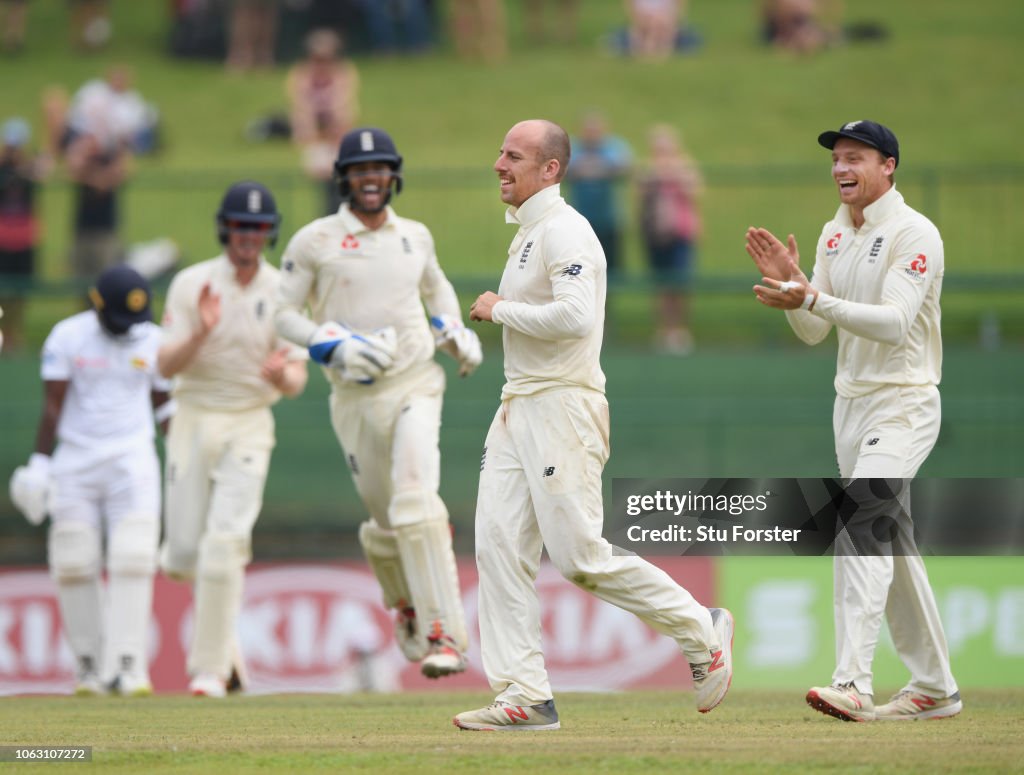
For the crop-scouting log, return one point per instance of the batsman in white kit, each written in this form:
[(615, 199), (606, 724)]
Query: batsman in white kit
[(102, 481), (877, 278), (230, 368), (540, 479), (366, 274)]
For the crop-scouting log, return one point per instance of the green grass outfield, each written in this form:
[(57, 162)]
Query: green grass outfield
[(752, 732)]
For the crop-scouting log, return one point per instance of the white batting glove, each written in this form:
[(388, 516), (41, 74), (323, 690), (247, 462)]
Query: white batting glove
[(30, 488), (459, 342), (358, 358)]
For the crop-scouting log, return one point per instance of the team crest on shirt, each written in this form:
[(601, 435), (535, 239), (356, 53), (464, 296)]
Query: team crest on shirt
[(349, 243), (139, 363)]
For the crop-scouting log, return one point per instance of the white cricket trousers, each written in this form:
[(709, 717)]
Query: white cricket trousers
[(888, 434), (540, 486), (116, 495), (217, 465)]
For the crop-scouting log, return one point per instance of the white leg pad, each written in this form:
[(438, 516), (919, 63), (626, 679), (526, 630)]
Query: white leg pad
[(131, 560), (74, 550), (218, 598), (424, 542), (381, 549)]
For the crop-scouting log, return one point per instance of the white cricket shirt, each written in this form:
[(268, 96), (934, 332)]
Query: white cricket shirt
[(225, 373), (107, 407), (365, 279), (553, 295), (880, 286)]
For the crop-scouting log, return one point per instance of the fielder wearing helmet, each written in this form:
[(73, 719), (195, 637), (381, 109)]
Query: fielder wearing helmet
[(362, 157), (248, 206)]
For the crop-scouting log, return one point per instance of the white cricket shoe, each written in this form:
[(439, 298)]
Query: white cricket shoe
[(712, 679), (132, 685), (208, 685), (443, 658), (842, 701), (89, 685), (502, 716), (908, 705), (87, 682)]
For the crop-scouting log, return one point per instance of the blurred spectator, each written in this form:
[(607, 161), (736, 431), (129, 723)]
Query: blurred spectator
[(802, 26), (669, 190), (98, 166), (600, 161), (552, 20), (478, 27), (106, 107), (323, 96), (653, 26), (252, 34), (20, 171), (13, 19), (90, 24), (397, 25)]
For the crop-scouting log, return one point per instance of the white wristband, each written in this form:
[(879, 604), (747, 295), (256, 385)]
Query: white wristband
[(809, 300)]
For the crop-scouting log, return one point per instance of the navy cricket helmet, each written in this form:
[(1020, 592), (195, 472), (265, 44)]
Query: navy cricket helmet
[(122, 298), (249, 204), (363, 145)]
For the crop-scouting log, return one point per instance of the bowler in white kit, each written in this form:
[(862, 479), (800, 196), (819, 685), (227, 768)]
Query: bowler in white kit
[(540, 477), (877, 278)]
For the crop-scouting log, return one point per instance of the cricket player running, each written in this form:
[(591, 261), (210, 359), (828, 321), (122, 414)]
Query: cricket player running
[(231, 367), (102, 482), (877, 278), (540, 480), (366, 274)]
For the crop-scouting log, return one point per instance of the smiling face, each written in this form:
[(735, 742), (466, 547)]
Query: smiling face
[(862, 173), (521, 166), (370, 183)]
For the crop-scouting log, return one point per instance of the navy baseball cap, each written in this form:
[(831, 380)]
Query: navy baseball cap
[(122, 298), (867, 132)]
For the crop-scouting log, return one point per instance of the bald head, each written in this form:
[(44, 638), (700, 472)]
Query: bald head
[(547, 140), (535, 155)]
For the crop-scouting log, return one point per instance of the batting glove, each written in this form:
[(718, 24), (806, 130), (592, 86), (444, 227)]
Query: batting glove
[(459, 342), (358, 358), (30, 488)]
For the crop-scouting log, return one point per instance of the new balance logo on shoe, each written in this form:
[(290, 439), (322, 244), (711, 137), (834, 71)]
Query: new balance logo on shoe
[(516, 714), (716, 661)]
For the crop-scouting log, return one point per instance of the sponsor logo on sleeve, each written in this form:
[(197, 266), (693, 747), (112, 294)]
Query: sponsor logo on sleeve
[(918, 266)]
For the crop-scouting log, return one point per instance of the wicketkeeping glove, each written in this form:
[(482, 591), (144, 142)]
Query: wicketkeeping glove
[(30, 488), (358, 358), (459, 342)]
